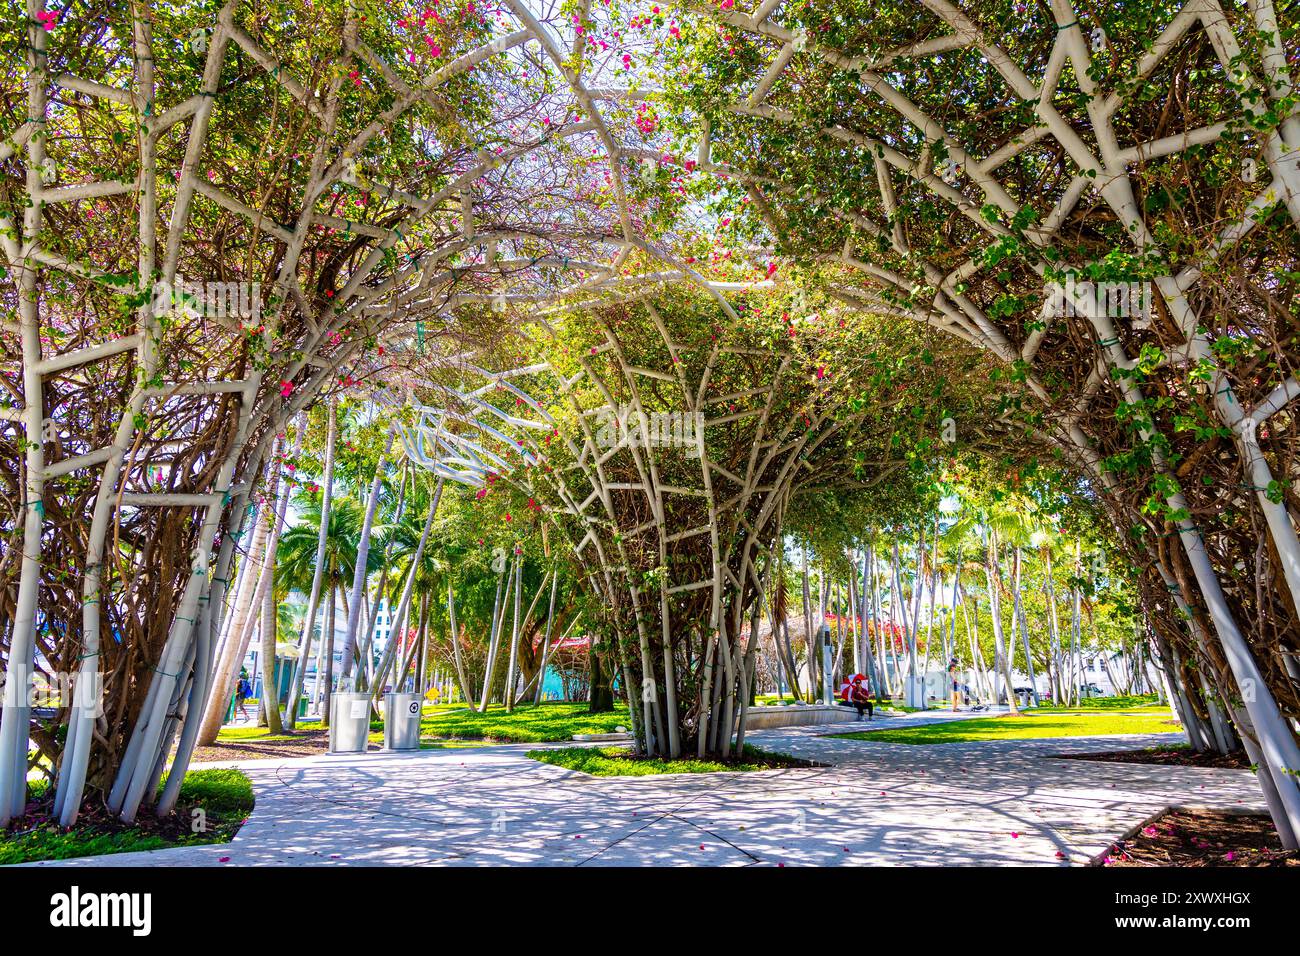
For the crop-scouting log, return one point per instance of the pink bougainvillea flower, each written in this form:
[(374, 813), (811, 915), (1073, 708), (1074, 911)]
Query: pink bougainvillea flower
[(1015, 835), (49, 19), (286, 389)]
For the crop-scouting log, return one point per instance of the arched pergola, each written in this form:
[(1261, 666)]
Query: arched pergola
[(973, 198), (686, 439), (379, 191), (364, 231)]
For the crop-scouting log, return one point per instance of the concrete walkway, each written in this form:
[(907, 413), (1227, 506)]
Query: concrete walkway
[(876, 804)]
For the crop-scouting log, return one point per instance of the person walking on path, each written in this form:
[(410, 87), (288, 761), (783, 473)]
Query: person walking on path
[(954, 684), (243, 691)]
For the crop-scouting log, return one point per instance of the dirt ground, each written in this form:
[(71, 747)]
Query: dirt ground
[(305, 743), (1170, 757), (1202, 838)]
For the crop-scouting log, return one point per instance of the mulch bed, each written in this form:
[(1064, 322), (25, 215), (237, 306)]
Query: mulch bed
[(97, 819), (1201, 838), (1170, 757), (305, 743)]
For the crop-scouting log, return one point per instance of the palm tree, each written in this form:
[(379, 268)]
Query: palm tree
[(306, 632), (296, 565), (998, 521), (364, 539), (414, 577)]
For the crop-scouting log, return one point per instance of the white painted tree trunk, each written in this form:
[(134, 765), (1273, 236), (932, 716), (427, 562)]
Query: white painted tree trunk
[(546, 638), (363, 558), (238, 633), (1001, 664), (318, 574), (498, 616), (1020, 621)]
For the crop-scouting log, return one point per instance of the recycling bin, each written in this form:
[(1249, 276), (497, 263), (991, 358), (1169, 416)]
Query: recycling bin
[(402, 721), (349, 723)]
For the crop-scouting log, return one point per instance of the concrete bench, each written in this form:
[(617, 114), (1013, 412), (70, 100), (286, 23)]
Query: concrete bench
[(796, 715)]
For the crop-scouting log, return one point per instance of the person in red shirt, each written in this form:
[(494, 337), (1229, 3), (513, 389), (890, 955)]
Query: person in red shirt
[(861, 699)]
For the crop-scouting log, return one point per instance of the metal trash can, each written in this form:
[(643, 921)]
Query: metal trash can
[(349, 723), (402, 721)]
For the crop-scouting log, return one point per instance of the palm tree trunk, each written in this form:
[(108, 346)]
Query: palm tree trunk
[(424, 651), (270, 702), (318, 575), (1053, 623), (237, 636), (546, 639), (894, 585), (508, 692), (870, 621), (1021, 622), (327, 688), (808, 629), (245, 583), (466, 691), (404, 602), (1001, 664), (498, 618), (363, 556)]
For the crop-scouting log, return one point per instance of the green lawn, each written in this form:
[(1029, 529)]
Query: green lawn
[(455, 722), (528, 724), (1044, 723), (261, 734), (224, 795), (1108, 703), (620, 762)]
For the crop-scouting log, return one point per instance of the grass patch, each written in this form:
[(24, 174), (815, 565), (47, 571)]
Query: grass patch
[(224, 795), (449, 744), (262, 734), (1109, 703), (621, 762), (530, 723), (1025, 727)]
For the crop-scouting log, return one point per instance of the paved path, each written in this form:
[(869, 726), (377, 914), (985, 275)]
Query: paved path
[(875, 804)]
